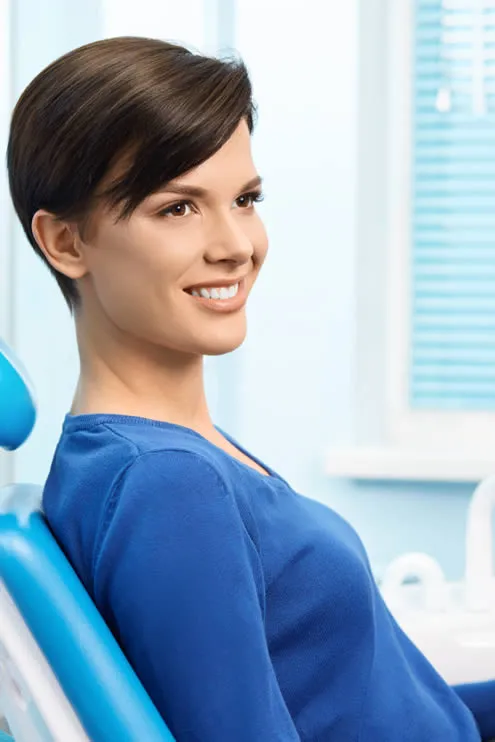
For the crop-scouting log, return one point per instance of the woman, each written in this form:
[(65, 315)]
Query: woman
[(248, 610)]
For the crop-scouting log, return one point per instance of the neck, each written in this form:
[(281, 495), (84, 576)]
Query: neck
[(122, 374)]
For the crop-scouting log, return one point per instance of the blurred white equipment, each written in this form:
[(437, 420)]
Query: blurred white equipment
[(452, 623)]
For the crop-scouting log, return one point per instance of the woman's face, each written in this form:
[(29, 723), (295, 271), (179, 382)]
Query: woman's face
[(200, 234)]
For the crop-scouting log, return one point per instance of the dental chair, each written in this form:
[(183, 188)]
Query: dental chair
[(63, 677)]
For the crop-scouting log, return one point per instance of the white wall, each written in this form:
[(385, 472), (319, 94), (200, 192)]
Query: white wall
[(301, 315)]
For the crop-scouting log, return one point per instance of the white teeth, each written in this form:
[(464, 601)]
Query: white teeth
[(221, 293)]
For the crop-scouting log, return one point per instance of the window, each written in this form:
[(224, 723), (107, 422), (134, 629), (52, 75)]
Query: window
[(440, 380), (442, 246), (453, 270)]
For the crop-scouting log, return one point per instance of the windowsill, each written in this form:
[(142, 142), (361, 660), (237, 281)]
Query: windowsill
[(387, 462)]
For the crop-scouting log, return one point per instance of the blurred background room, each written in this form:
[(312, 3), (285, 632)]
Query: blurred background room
[(368, 375)]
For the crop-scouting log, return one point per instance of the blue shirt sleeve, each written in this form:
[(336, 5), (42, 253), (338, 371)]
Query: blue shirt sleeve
[(480, 699), (180, 582)]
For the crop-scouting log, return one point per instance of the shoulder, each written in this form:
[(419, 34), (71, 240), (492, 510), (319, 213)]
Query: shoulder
[(178, 467), (131, 473), (173, 507), (166, 478), (167, 445), (117, 448), (163, 489)]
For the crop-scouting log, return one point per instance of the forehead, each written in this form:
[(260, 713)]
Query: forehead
[(227, 168)]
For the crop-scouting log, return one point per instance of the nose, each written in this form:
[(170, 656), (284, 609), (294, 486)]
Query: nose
[(229, 240)]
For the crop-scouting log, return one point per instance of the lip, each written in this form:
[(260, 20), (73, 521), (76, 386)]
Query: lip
[(223, 305)]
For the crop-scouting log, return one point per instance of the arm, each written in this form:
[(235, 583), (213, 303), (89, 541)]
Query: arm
[(480, 699), (180, 582)]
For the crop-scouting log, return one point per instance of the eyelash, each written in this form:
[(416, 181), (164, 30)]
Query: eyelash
[(255, 196)]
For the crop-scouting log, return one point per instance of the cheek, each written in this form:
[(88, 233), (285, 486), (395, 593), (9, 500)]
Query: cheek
[(126, 279), (120, 274)]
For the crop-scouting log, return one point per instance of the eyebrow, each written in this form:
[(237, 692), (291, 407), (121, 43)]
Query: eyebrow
[(199, 192)]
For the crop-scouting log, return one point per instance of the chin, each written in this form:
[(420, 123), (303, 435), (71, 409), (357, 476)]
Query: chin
[(226, 343)]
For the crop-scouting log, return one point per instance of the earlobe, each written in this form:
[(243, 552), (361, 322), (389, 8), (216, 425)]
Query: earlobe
[(60, 244)]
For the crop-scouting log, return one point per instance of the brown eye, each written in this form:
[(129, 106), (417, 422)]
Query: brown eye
[(249, 199), (178, 209)]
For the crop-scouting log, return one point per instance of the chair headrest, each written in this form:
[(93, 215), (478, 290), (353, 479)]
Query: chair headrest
[(17, 401)]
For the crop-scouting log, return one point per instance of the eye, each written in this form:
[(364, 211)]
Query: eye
[(179, 209), (248, 200)]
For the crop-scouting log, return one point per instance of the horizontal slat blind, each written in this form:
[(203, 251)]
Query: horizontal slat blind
[(453, 210)]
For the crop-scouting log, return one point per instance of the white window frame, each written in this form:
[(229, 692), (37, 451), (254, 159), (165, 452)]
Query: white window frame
[(466, 433), (6, 460), (417, 445)]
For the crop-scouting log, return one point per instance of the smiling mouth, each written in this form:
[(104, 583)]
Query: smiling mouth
[(220, 298)]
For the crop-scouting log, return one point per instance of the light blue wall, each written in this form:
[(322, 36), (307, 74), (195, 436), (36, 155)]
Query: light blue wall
[(42, 329), (294, 388)]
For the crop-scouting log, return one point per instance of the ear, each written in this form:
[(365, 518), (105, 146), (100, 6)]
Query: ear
[(60, 243)]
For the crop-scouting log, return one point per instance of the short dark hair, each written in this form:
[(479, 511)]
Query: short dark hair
[(161, 107)]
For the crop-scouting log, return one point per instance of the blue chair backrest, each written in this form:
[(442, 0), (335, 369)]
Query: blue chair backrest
[(17, 401), (87, 663)]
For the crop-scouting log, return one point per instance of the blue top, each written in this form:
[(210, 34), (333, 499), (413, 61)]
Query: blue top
[(248, 611)]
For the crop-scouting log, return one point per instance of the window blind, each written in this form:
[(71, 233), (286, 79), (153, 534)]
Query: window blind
[(452, 364)]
